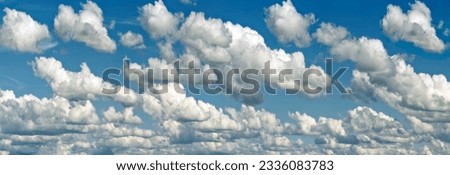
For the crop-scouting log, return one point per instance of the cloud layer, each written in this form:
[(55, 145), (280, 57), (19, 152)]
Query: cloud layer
[(78, 118)]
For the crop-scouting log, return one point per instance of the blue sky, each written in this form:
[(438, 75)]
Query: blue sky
[(415, 100)]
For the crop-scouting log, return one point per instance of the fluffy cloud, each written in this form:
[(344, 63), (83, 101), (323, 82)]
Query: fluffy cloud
[(414, 94), (370, 54), (133, 40), (213, 43), (206, 37), (224, 45), (81, 85), (414, 26), (29, 114), (391, 79), (157, 20), (73, 121), (310, 126), (176, 106), (126, 117), (20, 32), (329, 34), (86, 26), (59, 126), (288, 25)]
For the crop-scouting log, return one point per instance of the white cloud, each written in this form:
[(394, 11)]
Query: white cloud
[(59, 126), (81, 85), (157, 20), (256, 120), (126, 117), (191, 2), (83, 112), (225, 45), (176, 106), (213, 43), (86, 26), (288, 25), (22, 33), (369, 54), (133, 40), (310, 126), (414, 94), (414, 26), (68, 122), (419, 126), (208, 38), (394, 81), (28, 114), (365, 119), (329, 34)]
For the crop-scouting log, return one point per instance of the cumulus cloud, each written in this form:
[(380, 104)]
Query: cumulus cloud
[(207, 37), (414, 26), (329, 34), (29, 114), (133, 40), (21, 32), (81, 85), (126, 116), (224, 45), (288, 25), (157, 20), (59, 126), (310, 126), (85, 26), (73, 122), (414, 94), (213, 43), (394, 81)]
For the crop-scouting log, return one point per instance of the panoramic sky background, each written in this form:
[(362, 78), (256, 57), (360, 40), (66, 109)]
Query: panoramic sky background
[(53, 54)]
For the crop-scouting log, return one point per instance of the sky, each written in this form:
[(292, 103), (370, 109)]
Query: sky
[(54, 55)]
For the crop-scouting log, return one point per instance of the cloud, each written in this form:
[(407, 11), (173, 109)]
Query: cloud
[(288, 25), (22, 33), (30, 125), (329, 34), (414, 94), (133, 40), (81, 85), (310, 126), (86, 26), (75, 121), (157, 20), (414, 26), (190, 2), (29, 114), (176, 106), (224, 45), (207, 37), (213, 43), (369, 54), (126, 117), (394, 81)]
